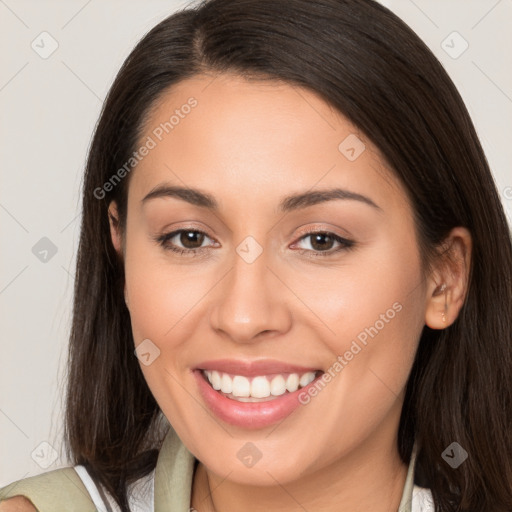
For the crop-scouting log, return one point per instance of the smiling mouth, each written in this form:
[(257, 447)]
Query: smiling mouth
[(260, 388)]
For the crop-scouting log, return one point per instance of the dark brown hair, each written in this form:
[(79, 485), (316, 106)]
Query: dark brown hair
[(367, 63)]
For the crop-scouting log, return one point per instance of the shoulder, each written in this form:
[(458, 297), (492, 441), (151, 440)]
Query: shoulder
[(60, 489), (17, 504)]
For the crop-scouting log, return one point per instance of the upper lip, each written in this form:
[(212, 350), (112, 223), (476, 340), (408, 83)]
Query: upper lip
[(253, 368)]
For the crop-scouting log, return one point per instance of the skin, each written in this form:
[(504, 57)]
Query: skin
[(249, 144), (17, 504)]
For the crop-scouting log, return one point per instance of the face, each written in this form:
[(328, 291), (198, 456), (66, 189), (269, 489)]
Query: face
[(260, 291)]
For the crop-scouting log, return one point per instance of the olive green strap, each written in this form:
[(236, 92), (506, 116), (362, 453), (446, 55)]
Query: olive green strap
[(60, 490), (173, 475)]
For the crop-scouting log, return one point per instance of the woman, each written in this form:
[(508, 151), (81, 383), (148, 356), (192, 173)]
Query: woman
[(288, 215)]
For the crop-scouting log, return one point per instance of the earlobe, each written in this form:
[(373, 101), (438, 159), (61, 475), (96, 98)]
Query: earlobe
[(450, 280), (436, 315)]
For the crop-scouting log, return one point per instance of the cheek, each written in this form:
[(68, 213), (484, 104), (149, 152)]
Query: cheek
[(160, 297), (380, 336), (369, 313), (373, 291), (161, 293)]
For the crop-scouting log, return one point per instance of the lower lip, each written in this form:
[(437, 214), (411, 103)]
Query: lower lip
[(249, 415)]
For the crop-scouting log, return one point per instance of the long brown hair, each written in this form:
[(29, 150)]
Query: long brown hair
[(365, 62)]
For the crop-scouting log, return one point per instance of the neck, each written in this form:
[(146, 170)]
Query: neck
[(368, 480)]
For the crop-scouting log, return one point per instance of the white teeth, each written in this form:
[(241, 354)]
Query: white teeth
[(227, 384), (292, 382), (278, 386), (306, 379), (215, 380), (260, 386), (241, 386)]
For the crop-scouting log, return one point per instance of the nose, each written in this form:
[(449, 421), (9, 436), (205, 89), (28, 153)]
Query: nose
[(251, 302)]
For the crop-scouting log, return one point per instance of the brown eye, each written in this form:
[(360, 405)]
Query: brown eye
[(324, 244), (184, 241), (191, 239), (321, 241)]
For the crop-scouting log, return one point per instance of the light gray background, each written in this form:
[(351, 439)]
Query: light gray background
[(48, 110)]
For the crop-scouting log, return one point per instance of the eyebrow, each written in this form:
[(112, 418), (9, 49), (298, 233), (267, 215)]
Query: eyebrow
[(289, 203)]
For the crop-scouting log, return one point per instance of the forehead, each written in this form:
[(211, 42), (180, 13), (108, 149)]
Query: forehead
[(226, 133)]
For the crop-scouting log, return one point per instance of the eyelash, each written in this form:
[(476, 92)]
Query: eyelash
[(345, 244)]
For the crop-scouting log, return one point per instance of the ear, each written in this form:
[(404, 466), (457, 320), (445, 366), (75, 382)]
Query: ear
[(448, 283), (115, 231)]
